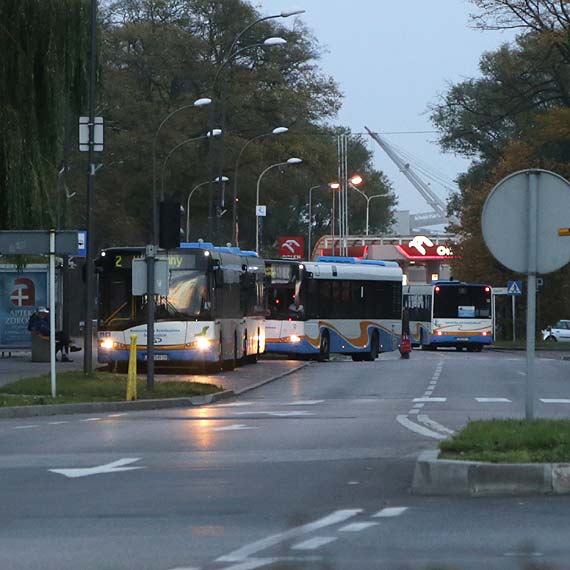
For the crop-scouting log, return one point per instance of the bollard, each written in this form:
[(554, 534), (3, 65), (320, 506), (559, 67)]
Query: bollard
[(132, 373)]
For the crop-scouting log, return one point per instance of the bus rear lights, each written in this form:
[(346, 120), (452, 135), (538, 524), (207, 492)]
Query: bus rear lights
[(438, 332), (294, 338), (437, 289), (485, 333), (487, 289), (107, 344)]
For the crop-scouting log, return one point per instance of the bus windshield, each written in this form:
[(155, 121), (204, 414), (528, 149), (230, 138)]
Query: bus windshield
[(461, 302), (188, 293)]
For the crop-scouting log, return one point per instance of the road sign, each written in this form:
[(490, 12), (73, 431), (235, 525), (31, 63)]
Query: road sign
[(37, 242), (84, 134), (261, 211), (506, 221), (514, 288), (500, 291), (291, 247), (521, 222)]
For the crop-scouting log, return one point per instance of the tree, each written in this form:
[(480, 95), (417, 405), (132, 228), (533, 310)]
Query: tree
[(43, 49)]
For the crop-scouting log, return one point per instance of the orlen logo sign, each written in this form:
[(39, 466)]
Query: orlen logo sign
[(422, 247), (24, 295), (291, 247)]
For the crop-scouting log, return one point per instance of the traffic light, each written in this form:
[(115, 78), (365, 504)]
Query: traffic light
[(169, 225)]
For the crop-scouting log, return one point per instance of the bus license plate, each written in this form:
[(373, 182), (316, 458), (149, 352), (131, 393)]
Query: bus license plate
[(462, 339), (158, 357)]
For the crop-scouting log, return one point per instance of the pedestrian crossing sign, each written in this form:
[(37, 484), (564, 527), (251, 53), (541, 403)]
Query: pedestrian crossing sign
[(514, 288)]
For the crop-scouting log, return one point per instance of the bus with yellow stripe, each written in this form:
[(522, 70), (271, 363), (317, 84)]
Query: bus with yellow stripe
[(333, 305), (213, 314)]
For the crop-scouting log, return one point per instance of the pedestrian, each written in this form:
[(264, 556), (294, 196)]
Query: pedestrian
[(39, 325)]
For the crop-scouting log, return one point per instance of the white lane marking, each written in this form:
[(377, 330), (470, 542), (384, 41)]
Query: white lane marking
[(314, 543), (428, 393), (252, 564), (357, 526), (390, 512), (248, 550), (113, 467), (412, 426), (233, 427), (493, 400), (303, 403), (353, 483), (277, 414), (430, 400), (414, 412), (57, 423), (116, 415), (234, 404), (521, 373), (554, 401), (90, 420), (27, 427), (418, 406), (426, 420)]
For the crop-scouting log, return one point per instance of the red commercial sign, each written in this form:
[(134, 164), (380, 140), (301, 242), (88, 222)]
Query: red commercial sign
[(422, 247), (291, 247)]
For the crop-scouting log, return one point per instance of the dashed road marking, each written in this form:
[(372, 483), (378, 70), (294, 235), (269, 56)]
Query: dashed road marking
[(418, 406), (57, 423), (426, 400), (314, 543), (90, 420), (233, 427), (493, 400), (414, 412), (243, 553), (26, 427), (277, 414), (357, 526), (116, 415), (390, 512), (555, 401)]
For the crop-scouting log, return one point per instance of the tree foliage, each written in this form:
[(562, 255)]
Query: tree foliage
[(515, 116), (43, 50)]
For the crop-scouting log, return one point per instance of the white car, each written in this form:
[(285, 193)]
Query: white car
[(558, 332)]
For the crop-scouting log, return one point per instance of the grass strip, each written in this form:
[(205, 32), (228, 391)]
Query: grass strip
[(74, 387), (510, 441)]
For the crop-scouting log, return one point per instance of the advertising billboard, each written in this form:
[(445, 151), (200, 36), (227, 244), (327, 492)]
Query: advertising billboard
[(21, 292), (291, 247)]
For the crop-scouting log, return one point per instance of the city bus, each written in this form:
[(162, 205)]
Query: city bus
[(213, 314), (333, 305), (449, 314)]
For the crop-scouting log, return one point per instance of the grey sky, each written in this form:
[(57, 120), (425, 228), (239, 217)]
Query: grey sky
[(391, 59)]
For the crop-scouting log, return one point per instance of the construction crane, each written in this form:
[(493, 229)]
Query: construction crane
[(438, 215)]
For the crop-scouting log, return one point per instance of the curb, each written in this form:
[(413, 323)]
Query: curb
[(433, 476), (138, 405)]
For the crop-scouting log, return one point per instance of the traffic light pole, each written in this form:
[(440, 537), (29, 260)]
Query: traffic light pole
[(150, 259)]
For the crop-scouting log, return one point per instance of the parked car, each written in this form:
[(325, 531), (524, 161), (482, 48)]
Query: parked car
[(558, 332)]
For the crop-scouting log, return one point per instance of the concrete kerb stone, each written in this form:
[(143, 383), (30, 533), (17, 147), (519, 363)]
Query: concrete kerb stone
[(434, 476), (138, 405)]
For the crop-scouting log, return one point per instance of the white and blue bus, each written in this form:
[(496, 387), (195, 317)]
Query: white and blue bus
[(449, 314), (214, 313), (333, 305)]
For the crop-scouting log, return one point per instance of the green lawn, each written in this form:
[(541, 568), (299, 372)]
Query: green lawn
[(511, 441), (75, 387)]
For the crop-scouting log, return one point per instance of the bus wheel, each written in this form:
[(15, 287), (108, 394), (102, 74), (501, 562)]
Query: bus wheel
[(325, 347), (374, 348), (357, 357)]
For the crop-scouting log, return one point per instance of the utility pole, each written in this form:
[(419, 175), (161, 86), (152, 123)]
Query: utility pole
[(92, 169)]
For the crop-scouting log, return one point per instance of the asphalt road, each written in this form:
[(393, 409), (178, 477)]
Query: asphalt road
[(309, 472)]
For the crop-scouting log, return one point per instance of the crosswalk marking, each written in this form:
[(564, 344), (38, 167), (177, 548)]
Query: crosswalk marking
[(390, 512), (357, 526), (314, 543)]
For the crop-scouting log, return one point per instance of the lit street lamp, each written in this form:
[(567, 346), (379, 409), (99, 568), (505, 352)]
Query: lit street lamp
[(288, 162), (275, 131), (220, 179), (367, 198)]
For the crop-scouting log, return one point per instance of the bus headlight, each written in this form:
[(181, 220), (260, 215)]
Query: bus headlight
[(438, 332), (107, 344), (294, 338), (202, 343)]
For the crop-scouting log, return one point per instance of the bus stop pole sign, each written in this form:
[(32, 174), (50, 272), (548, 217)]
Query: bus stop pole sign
[(521, 220)]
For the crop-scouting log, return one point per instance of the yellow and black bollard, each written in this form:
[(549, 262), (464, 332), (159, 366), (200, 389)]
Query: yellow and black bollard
[(132, 374)]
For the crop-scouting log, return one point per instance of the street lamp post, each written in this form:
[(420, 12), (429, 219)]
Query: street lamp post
[(223, 180), (275, 131), (212, 133), (368, 200), (332, 186), (288, 162), (202, 102)]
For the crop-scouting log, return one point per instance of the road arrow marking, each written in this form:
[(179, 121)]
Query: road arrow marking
[(113, 467), (233, 427)]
